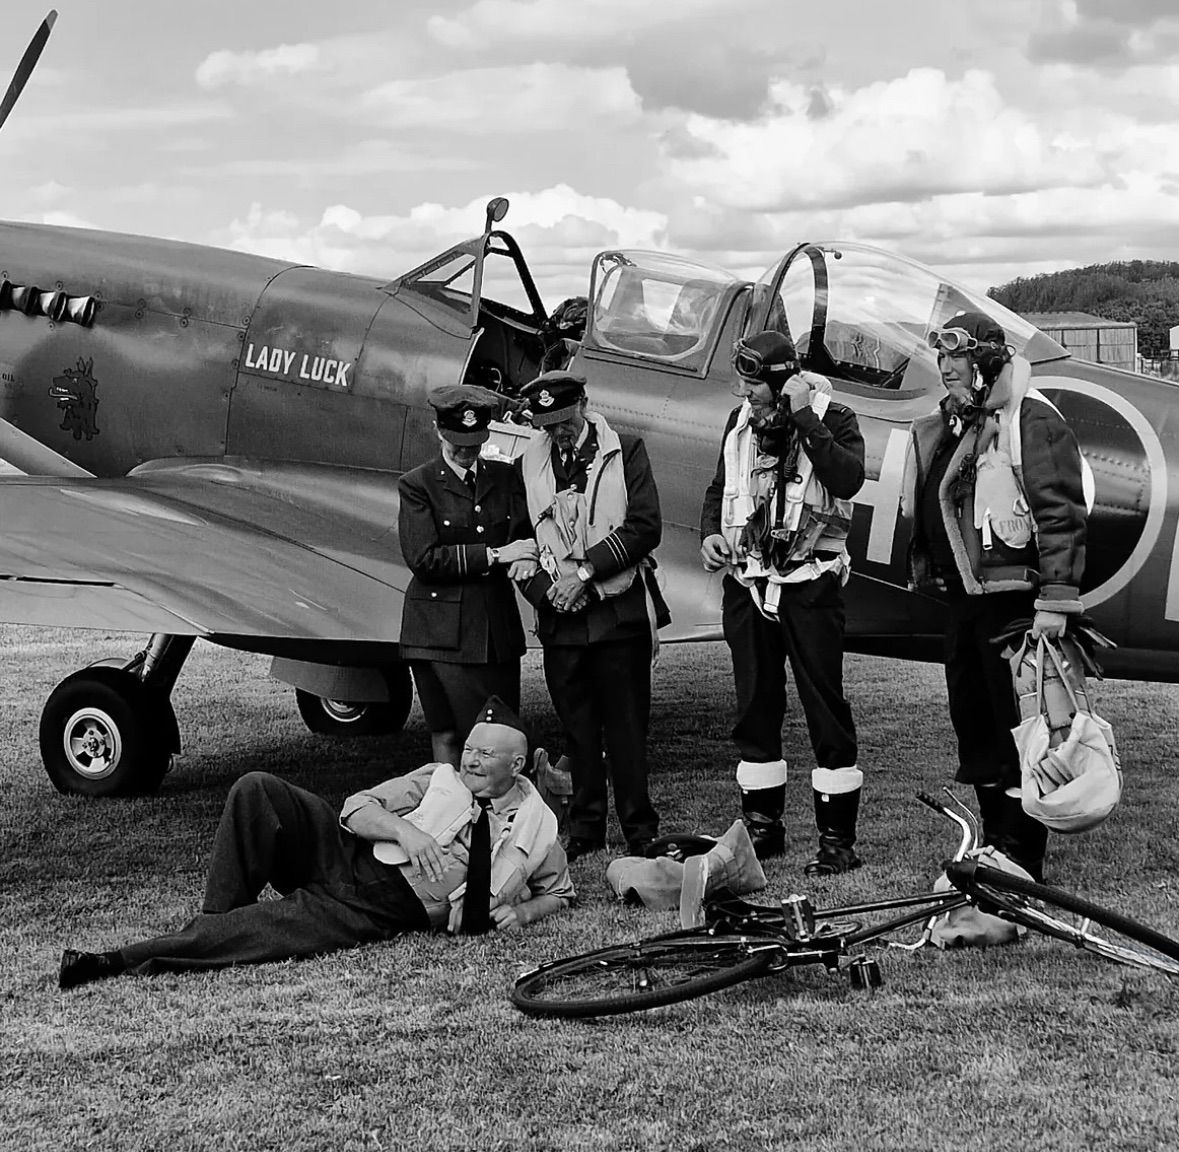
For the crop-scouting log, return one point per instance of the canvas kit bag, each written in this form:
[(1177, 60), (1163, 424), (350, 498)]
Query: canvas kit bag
[(1071, 776)]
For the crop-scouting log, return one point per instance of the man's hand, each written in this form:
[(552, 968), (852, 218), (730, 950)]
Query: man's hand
[(518, 550), (423, 851), (504, 917), (1050, 625), (798, 392), (566, 593), (522, 569), (716, 553)]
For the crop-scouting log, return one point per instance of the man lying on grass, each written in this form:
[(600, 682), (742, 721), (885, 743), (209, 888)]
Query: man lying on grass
[(461, 850)]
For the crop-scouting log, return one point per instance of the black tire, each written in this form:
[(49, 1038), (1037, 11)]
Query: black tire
[(360, 718), (1066, 917), (644, 974), (104, 732)]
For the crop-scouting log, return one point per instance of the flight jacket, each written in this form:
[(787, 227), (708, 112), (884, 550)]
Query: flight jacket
[(1018, 423)]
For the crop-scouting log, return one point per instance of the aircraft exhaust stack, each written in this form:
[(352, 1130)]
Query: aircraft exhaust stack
[(81, 310), (56, 305), (52, 304)]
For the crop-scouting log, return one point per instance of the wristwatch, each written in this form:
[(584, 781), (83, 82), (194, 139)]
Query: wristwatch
[(584, 574), (492, 556)]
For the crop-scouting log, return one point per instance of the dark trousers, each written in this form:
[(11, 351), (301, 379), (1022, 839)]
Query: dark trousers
[(602, 692), (451, 695), (335, 894), (808, 633), (983, 708)]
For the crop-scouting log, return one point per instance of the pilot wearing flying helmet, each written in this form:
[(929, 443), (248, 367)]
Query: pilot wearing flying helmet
[(775, 521), (993, 488)]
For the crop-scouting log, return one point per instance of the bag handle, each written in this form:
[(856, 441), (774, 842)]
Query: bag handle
[(1043, 646)]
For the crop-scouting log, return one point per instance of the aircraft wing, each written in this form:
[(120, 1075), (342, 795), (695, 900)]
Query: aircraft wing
[(232, 547)]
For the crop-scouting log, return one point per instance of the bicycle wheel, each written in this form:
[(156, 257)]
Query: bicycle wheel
[(1067, 917), (644, 974)]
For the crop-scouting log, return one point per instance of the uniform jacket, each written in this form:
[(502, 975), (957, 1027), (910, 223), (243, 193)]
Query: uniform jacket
[(835, 447), (1049, 477), (457, 609), (628, 614), (526, 858)]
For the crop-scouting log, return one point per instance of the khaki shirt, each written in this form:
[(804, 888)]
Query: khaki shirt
[(403, 794)]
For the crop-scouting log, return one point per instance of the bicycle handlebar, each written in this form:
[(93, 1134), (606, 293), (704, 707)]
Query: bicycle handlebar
[(964, 818)]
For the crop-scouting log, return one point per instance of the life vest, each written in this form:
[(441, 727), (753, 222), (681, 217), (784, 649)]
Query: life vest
[(569, 523), (803, 517)]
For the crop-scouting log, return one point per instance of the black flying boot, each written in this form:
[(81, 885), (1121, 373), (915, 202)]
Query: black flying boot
[(837, 804), (992, 808), (763, 800), (1026, 838)]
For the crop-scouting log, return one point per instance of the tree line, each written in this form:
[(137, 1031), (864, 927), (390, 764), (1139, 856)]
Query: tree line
[(1145, 292)]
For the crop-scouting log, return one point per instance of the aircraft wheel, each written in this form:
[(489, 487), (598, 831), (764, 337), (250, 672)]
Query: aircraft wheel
[(106, 733), (360, 718)]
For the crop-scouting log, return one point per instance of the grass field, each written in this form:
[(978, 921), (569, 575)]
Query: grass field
[(414, 1044)]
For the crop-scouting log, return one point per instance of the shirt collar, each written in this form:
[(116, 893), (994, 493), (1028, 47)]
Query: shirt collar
[(506, 804), (461, 473)]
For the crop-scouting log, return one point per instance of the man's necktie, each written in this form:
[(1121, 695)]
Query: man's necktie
[(477, 898), (469, 480)]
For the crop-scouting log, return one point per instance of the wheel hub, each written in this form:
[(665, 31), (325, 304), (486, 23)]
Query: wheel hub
[(92, 742), (343, 711)]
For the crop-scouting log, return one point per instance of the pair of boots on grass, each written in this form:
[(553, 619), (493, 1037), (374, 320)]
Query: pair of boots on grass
[(733, 862)]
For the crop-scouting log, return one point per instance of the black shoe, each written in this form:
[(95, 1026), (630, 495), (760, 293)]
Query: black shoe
[(769, 837), (85, 967), (640, 846), (582, 846), (678, 846), (831, 860)]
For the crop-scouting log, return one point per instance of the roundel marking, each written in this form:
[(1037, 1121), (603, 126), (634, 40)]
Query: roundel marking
[(1157, 463)]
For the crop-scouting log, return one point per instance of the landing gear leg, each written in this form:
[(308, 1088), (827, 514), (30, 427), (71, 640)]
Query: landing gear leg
[(109, 730)]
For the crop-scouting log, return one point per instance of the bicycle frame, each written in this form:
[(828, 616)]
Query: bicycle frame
[(741, 941), (804, 932)]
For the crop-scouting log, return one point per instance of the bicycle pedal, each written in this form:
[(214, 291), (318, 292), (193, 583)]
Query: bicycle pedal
[(864, 973)]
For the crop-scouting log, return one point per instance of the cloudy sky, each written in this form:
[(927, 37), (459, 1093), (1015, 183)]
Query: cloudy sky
[(992, 138)]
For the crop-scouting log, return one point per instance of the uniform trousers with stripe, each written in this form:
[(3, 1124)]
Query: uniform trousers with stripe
[(334, 892), (602, 693), (808, 633)]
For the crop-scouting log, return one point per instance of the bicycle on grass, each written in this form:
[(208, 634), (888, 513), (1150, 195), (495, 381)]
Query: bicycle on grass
[(741, 941)]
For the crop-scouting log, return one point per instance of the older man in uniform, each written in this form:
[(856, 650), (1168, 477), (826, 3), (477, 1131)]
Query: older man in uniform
[(594, 508), (464, 531), (462, 850)]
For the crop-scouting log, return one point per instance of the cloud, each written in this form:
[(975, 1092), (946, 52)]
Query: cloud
[(534, 97), (1141, 13), (553, 21), (244, 69), (1106, 35), (921, 135), (63, 220), (559, 230), (676, 56)]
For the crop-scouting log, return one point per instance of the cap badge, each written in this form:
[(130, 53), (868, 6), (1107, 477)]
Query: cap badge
[(469, 418), (545, 399)]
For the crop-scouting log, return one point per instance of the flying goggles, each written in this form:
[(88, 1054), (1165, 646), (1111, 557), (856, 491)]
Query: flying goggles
[(956, 340), (754, 365)]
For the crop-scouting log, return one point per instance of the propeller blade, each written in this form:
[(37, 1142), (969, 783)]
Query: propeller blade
[(25, 68)]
